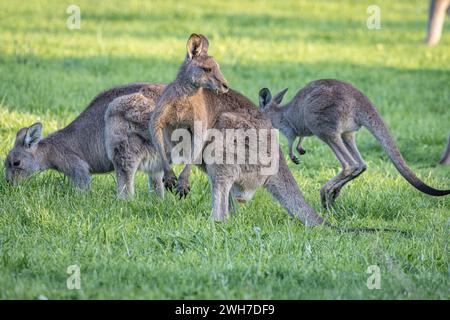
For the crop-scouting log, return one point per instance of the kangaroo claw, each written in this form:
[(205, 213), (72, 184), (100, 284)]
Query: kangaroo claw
[(183, 189), (301, 151), (170, 181), (295, 160)]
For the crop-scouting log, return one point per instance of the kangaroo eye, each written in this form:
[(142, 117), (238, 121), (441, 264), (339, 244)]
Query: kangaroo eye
[(207, 69), (16, 163)]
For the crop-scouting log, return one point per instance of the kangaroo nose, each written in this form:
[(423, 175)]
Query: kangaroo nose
[(225, 88)]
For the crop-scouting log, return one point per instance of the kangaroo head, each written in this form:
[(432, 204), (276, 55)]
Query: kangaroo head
[(22, 160), (200, 69), (269, 103)]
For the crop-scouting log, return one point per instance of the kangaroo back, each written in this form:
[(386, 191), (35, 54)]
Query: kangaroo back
[(375, 124), (284, 188)]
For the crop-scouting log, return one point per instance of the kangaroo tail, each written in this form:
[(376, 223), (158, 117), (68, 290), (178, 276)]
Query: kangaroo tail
[(284, 188), (374, 123)]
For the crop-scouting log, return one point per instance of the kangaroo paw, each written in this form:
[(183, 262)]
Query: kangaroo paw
[(170, 181), (295, 160), (183, 188), (301, 151)]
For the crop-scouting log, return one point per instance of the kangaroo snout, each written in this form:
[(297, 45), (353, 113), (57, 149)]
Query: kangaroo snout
[(10, 179), (224, 88)]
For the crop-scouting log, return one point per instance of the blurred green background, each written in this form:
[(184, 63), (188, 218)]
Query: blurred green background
[(168, 249)]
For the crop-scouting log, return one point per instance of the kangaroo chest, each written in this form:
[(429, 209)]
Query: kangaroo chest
[(188, 110), (296, 121)]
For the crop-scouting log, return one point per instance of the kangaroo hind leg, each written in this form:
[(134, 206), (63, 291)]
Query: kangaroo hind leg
[(349, 166), (349, 139), (284, 188), (155, 182), (126, 158), (221, 188)]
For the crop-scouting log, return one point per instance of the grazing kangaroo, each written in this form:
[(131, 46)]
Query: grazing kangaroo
[(333, 111), (77, 150), (194, 95), (128, 142), (446, 156)]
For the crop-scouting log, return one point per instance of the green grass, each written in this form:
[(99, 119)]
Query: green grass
[(149, 248)]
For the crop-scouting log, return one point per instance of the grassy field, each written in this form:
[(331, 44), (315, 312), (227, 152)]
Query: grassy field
[(149, 248)]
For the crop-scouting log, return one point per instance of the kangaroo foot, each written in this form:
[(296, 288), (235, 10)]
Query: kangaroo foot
[(124, 193), (124, 196), (326, 199), (183, 188), (335, 193)]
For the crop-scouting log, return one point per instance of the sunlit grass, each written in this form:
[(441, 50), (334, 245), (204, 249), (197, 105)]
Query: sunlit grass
[(148, 248)]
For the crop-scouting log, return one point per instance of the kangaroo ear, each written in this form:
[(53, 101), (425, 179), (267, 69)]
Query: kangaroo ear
[(33, 135), (195, 45), (264, 97), (205, 44), (279, 96)]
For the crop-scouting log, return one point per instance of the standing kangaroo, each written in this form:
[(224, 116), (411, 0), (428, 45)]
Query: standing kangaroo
[(185, 101), (446, 156), (200, 93), (333, 111), (77, 150)]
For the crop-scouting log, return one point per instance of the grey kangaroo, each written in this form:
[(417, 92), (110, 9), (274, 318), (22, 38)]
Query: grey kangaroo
[(77, 150), (333, 111), (446, 156), (201, 93), (128, 142), (184, 101)]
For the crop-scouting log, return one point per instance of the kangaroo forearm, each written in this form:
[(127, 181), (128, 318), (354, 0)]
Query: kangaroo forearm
[(158, 142), (79, 175), (159, 121), (186, 171), (290, 146)]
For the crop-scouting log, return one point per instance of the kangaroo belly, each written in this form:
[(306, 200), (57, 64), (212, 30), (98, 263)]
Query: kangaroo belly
[(103, 167)]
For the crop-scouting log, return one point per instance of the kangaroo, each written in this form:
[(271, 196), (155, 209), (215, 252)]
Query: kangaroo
[(128, 142), (77, 150), (200, 93), (185, 101), (333, 111), (446, 156)]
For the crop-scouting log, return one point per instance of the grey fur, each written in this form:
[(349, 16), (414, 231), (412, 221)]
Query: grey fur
[(193, 96), (333, 111), (446, 156), (242, 180), (128, 143)]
